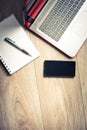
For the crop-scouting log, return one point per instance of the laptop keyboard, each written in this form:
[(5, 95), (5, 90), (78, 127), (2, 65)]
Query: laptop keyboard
[(60, 17)]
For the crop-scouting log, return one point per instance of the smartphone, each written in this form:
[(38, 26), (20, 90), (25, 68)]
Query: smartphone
[(54, 68)]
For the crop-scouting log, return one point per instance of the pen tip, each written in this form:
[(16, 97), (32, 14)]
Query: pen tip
[(26, 52)]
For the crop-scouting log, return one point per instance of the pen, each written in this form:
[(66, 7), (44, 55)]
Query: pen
[(16, 45)]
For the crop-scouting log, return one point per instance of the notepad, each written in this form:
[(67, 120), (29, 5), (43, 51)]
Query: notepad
[(12, 58)]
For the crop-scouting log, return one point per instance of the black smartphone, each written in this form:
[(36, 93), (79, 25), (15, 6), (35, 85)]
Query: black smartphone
[(54, 68)]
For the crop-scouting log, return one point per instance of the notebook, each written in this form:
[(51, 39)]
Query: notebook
[(12, 58), (62, 23)]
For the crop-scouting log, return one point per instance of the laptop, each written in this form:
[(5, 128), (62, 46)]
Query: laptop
[(62, 23)]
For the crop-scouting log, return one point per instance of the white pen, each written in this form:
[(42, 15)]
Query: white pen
[(13, 43)]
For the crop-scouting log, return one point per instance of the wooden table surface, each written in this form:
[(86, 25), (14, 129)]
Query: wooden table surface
[(28, 101)]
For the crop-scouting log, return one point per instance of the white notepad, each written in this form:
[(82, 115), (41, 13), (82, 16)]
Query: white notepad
[(12, 58)]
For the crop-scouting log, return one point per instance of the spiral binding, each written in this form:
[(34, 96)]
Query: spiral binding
[(3, 62)]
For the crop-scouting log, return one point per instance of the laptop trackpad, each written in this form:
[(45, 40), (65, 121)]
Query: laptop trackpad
[(80, 27)]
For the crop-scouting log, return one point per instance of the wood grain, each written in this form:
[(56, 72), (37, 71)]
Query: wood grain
[(28, 101)]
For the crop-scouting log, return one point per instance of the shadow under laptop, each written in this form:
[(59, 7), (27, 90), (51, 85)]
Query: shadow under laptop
[(8, 7)]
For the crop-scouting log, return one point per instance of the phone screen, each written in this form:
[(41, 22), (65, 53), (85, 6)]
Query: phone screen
[(54, 68)]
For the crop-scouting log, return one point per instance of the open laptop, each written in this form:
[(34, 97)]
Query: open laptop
[(63, 23)]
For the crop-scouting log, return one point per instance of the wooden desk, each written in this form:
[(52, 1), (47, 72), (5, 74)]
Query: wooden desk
[(28, 101)]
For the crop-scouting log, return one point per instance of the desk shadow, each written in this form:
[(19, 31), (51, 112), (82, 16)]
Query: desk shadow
[(8, 7)]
